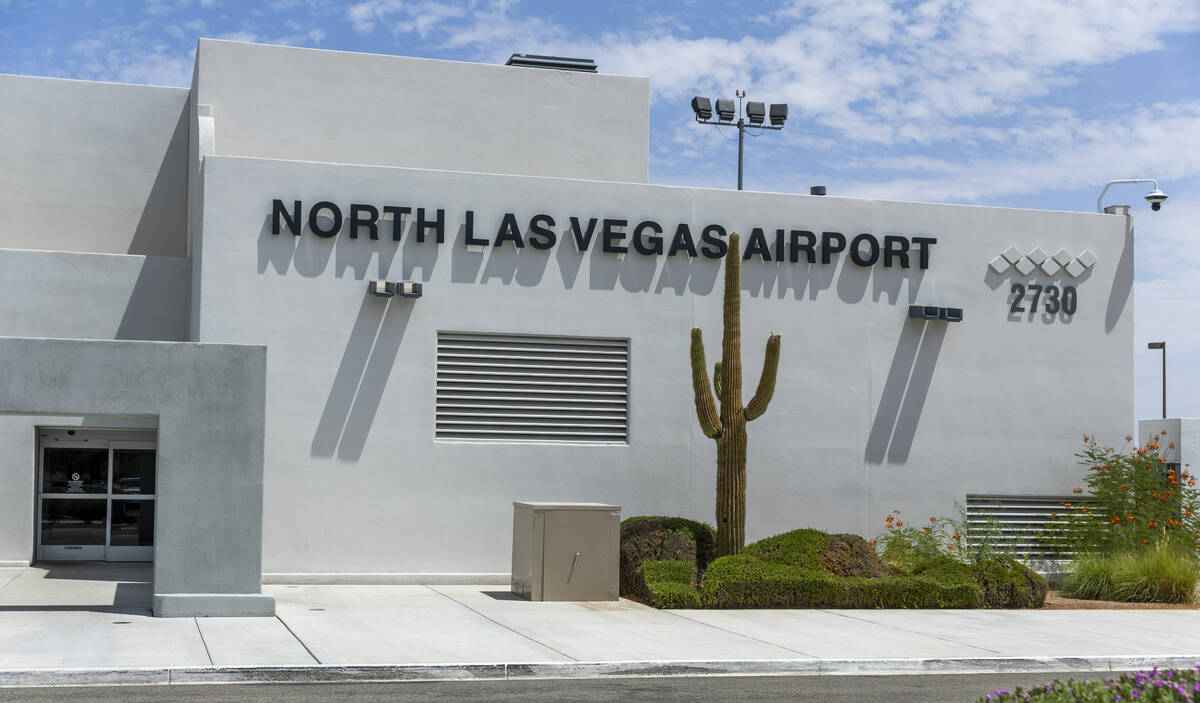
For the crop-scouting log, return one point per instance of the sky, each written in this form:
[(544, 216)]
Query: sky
[(1013, 103)]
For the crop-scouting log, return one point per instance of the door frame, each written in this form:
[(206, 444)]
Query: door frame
[(91, 552)]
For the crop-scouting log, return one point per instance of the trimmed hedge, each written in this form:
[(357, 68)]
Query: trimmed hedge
[(643, 546), (840, 555), (705, 536), (1004, 583), (669, 583), (745, 581)]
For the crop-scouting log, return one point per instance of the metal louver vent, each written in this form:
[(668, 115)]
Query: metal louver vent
[(1015, 523), (509, 388)]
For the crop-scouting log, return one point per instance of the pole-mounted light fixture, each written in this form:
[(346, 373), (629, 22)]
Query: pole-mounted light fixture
[(1162, 345), (1155, 197), (755, 112)]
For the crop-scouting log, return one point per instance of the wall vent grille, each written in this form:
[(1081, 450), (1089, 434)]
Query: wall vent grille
[(523, 388), (1015, 523)]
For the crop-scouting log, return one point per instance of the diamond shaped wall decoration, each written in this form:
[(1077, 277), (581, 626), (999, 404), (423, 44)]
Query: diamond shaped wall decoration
[(1063, 257), (1025, 266), (1013, 255), (1087, 258), (1050, 266), (999, 264), (1037, 256), (1075, 268)]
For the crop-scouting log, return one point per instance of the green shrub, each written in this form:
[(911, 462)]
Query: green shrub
[(643, 543), (702, 534), (1090, 578), (670, 583), (851, 555), (840, 555), (745, 581), (802, 548), (1159, 574), (1003, 583)]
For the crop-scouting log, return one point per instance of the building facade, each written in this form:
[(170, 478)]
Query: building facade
[(546, 357)]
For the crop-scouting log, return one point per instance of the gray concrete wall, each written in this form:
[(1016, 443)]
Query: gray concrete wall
[(872, 411), (209, 401), (94, 296), (312, 105), (93, 167)]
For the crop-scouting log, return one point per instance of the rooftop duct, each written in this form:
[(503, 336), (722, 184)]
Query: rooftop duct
[(561, 63)]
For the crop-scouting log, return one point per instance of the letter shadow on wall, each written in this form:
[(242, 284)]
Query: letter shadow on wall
[(361, 378), (770, 279), (310, 254), (904, 393)]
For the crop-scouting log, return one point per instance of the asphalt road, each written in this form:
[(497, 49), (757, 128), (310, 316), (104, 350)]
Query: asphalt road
[(941, 688)]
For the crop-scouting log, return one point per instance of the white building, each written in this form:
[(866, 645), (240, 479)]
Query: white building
[(385, 439)]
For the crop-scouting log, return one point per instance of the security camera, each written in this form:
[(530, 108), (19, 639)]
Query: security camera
[(1156, 198)]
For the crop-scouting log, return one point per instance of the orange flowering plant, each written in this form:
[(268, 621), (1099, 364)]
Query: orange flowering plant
[(1137, 498), (904, 544)]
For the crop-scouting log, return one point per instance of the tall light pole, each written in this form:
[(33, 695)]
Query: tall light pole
[(1162, 345), (756, 112)]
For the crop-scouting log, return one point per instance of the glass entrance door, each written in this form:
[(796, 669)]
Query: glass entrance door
[(96, 501)]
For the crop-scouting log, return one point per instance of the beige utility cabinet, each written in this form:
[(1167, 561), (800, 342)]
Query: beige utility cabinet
[(566, 551)]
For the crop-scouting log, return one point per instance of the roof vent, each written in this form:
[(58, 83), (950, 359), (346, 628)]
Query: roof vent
[(561, 63)]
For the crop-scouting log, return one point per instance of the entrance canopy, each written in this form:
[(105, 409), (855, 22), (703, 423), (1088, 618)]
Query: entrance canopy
[(209, 402)]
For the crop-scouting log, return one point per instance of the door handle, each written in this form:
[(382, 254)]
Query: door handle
[(573, 563)]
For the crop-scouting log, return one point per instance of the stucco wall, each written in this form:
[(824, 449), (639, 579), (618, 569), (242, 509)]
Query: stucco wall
[(93, 167), (209, 403), (872, 411), (312, 105), (94, 296)]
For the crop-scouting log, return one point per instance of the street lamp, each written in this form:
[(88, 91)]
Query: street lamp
[(1155, 197), (756, 112), (1163, 346)]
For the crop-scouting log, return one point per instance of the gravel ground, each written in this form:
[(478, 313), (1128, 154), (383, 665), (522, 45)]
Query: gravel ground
[(1055, 600)]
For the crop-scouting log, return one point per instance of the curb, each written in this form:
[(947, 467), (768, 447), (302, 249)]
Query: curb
[(550, 670)]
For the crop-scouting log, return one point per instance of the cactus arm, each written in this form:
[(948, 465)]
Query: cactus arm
[(706, 407), (766, 382), (717, 378)]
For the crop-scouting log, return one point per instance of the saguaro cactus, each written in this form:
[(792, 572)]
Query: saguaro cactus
[(727, 425)]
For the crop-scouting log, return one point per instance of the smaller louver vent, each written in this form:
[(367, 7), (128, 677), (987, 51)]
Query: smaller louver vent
[(1015, 523), (532, 388)]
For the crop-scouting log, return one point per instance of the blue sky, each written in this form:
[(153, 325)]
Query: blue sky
[(1021, 103)]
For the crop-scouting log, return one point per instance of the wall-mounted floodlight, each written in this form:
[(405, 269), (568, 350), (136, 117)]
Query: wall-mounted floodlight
[(950, 314), (756, 113), (381, 289), (390, 289), (778, 114), (923, 312), (725, 109), (1155, 197), (933, 312)]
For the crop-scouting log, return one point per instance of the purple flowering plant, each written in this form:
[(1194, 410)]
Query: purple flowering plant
[(1154, 686)]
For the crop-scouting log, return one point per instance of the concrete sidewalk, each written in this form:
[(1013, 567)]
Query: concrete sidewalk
[(88, 623)]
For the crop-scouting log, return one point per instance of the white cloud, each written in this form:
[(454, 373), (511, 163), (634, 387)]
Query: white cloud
[(130, 55), (364, 15)]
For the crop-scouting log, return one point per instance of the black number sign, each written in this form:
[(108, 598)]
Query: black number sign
[(1055, 300)]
